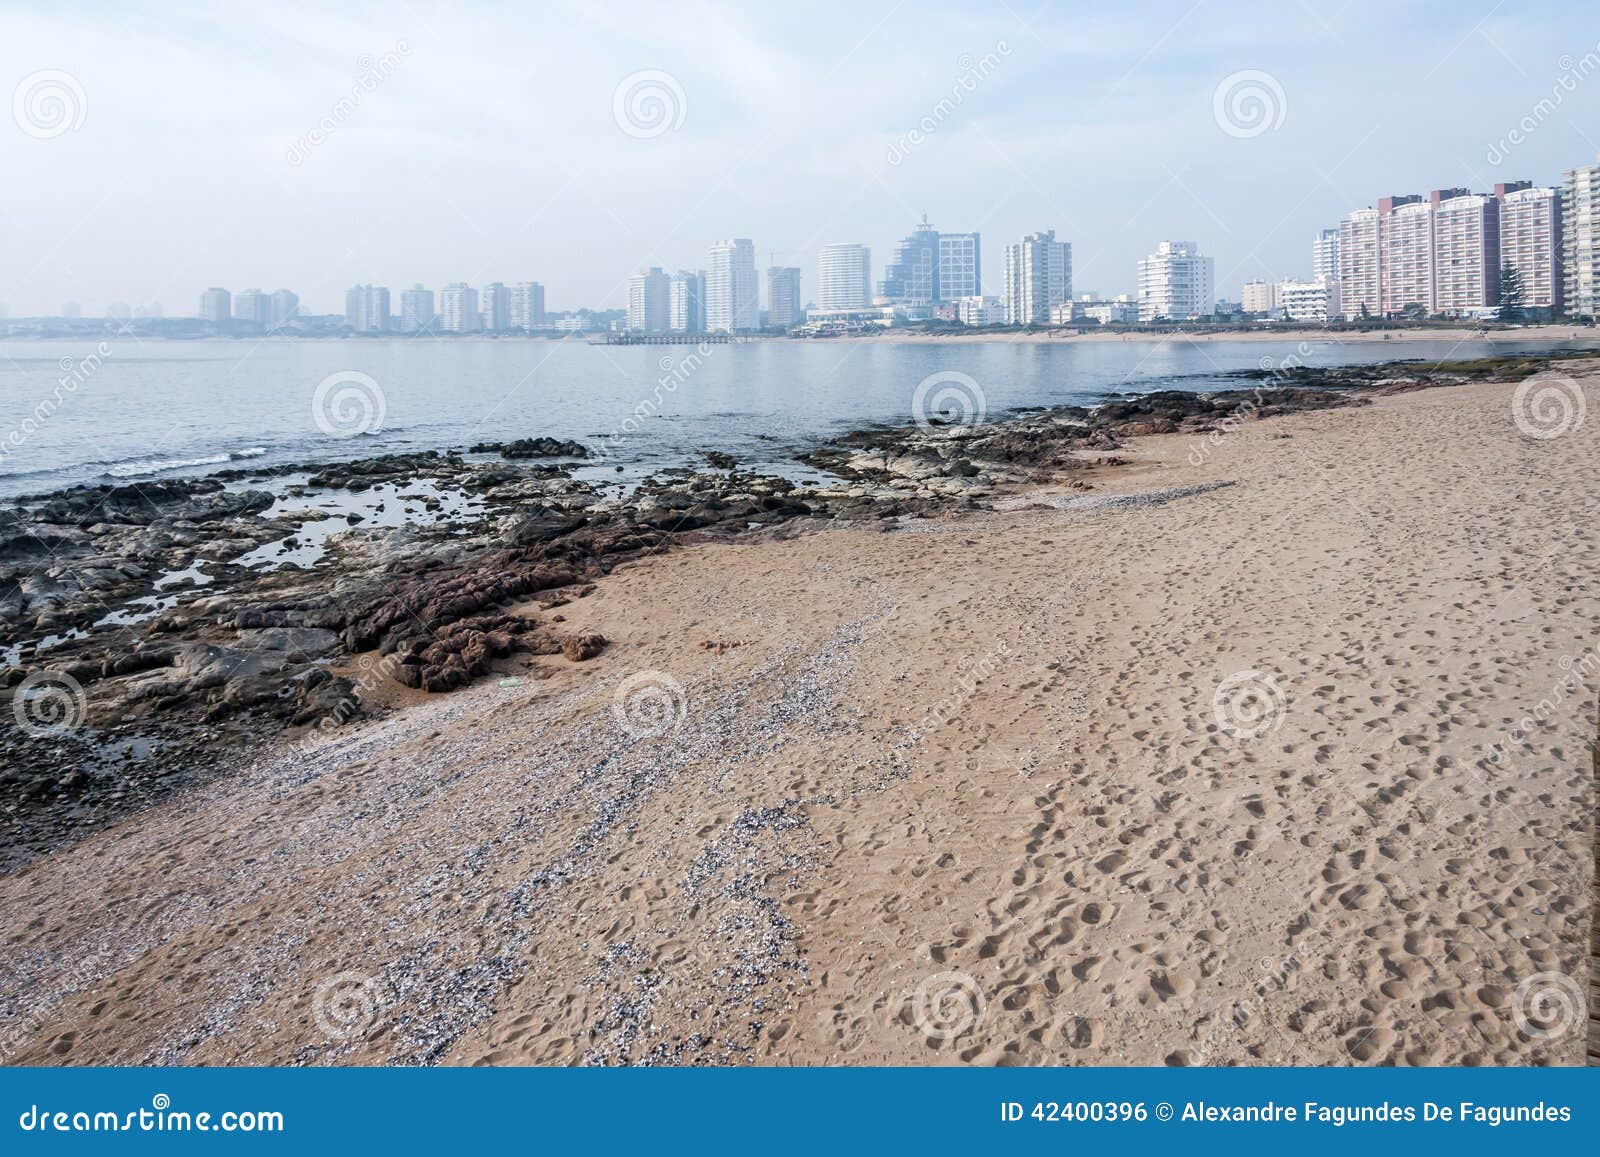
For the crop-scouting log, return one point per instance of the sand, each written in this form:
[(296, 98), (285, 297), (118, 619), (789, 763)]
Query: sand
[(1202, 777)]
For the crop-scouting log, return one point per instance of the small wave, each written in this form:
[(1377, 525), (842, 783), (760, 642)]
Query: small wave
[(139, 467)]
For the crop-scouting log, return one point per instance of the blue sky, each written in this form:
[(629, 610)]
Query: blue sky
[(493, 149)]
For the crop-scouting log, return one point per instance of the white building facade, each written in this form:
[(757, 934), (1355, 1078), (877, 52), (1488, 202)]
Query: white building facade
[(844, 277), (1175, 282), (1038, 278), (458, 308), (733, 303), (649, 298), (525, 306)]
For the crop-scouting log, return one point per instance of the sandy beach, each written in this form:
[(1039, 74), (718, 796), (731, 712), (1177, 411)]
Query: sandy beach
[(1268, 749)]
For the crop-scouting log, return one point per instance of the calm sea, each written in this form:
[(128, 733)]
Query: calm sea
[(77, 412)]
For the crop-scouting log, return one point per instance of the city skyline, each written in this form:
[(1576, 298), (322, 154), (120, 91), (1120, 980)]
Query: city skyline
[(959, 144)]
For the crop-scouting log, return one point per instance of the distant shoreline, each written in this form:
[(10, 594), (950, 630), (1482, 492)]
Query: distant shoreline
[(1570, 333)]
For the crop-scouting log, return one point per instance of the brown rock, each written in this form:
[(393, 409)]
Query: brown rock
[(585, 646)]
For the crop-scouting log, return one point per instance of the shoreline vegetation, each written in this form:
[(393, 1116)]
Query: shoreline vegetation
[(1145, 733), (160, 620)]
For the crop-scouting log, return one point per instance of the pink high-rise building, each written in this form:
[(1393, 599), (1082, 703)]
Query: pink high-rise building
[(1530, 241), (1466, 252)]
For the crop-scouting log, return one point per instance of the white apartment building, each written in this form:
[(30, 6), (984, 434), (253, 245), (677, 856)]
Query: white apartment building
[(366, 308), (733, 303), (416, 309), (1315, 300), (458, 308), (784, 307), (216, 305), (1175, 282), (1580, 241), (494, 307), (525, 306), (686, 302), (1361, 264), (253, 306), (1407, 257), (1259, 296), (844, 277), (980, 310), (1466, 253), (649, 298), (1325, 254), (285, 308), (1038, 278), (1530, 241), (1119, 310)]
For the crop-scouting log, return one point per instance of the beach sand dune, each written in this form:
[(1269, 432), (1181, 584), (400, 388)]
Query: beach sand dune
[(1294, 770)]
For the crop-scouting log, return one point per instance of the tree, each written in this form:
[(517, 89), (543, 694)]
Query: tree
[(1511, 293)]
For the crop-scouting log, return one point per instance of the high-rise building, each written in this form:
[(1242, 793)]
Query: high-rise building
[(1325, 254), (494, 307), (844, 277), (686, 301), (1175, 282), (526, 309), (1315, 300), (912, 275), (1361, 264), (733, 301), (1038, 278), (416, 309), (1259, 296), (285, 308), (366, 308), (1530, 241), (1466, 252), (649, 300), (784, 307), (1580, 241), (254, 308), (216, 305), (960, 272), (1406, 254), (458, 308)]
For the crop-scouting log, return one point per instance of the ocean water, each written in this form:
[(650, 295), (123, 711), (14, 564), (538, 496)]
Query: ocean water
[(74, 412)]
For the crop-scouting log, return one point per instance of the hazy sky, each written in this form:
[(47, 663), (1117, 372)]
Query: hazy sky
[(494, 147)]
